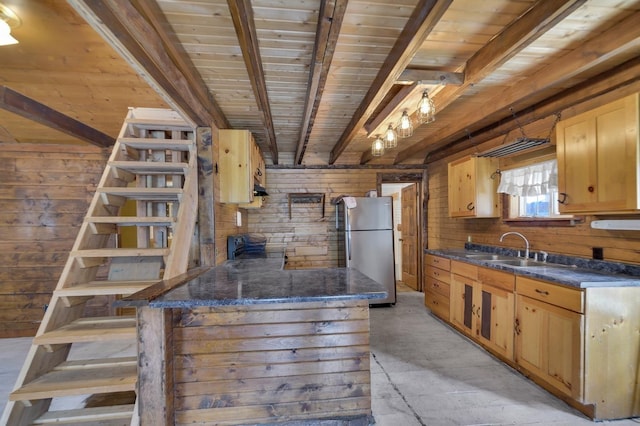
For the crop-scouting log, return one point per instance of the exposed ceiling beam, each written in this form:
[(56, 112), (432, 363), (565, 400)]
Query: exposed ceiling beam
[(411, 75), (242, 16), (154, 15), (23, 106), (425, 16), (390, 108), (626, 75), (617, 40), (138, 42), (329, 23)]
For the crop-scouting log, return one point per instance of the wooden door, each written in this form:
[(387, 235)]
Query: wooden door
[(410, 237)]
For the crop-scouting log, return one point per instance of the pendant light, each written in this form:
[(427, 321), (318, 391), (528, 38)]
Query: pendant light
[(8, 20), (390, 138), (426, 111), (377, 147), (405, 127)]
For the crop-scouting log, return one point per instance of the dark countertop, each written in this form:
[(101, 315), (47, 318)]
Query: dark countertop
[(257, 281), (568, 275)]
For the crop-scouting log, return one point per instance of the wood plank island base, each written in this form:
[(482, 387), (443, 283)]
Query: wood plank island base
[(246, 344)]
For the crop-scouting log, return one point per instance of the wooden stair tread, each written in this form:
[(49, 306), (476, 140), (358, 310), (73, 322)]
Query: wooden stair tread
[(105, 288), (82, 378), (133, 220), (160, 124), (143, 194), (157, 144), (109, 415), (121, 252), (90, 329), (150, 167)]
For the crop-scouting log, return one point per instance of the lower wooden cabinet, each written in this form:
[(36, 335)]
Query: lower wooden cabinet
[(436, 288), (580, 344)]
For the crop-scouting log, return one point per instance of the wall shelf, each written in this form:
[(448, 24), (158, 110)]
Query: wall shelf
[(306, 198)]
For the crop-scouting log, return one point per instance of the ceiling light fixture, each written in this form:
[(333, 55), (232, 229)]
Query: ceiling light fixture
[(426, 111), (8, 21), (377, 147), (405, 126), (390, 138)]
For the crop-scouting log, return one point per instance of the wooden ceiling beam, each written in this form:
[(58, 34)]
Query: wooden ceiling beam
[(536, 21), (615, 41), (414, 75), (26, 107), (425, 16), (391, 107), (625, 77), (133, 36), (330, 20), (242, 16), (154, 15)]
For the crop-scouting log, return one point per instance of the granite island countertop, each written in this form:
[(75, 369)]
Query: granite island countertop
[(565, 274), (257, 281)]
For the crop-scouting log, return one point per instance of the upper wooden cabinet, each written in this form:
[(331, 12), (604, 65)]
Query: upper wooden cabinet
[(240, 166), (472, 191), (598, 159)]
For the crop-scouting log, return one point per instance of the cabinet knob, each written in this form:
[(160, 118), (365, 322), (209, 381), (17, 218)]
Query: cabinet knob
[(470, 206), (591, 188)]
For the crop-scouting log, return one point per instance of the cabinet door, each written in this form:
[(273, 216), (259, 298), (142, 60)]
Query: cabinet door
[(234, 164), (495, 319), (597, 159), (549, 344), (462, 189), (461, 306)]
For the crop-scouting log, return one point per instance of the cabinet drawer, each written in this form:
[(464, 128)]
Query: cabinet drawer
[(438, 304), (554, 294), (438, 274), (499, 279), (438, 262), (465, 269), (436, 286)]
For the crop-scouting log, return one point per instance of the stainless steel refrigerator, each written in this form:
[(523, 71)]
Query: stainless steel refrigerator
[(365, 240)]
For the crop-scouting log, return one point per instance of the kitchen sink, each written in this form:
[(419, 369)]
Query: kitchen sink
[(484, 256), (522, 263)]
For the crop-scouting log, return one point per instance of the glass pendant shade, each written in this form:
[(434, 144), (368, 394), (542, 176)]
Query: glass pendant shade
[(377, 147), (426, 111), (405, 127), (390, 138), (5, 34)]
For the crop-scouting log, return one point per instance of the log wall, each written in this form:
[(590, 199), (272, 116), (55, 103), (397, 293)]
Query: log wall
[(311, 239), (271, 363), (45, 191)]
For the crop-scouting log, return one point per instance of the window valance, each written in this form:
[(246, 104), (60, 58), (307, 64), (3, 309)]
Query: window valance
[(536, 179)]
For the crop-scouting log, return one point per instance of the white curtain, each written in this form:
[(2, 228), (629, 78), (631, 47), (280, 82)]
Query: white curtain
[(536, 179)]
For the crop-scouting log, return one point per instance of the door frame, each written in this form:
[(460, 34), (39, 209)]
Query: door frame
[(420, 179)]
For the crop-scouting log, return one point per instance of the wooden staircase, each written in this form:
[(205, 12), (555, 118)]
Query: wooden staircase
[(153, 164)]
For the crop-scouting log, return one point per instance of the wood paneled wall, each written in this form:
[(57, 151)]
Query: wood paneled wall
[(45, 191), (443, 232), (310, 238)]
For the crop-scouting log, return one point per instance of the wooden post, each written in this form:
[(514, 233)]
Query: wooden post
[(155, 366), (206, 214)]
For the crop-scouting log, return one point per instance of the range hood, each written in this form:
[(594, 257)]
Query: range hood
[(259, 190)]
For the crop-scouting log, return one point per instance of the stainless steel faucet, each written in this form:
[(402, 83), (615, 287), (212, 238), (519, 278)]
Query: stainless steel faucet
[(526, 242)]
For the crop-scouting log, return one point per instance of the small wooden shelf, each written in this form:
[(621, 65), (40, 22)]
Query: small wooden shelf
[(306, 198)]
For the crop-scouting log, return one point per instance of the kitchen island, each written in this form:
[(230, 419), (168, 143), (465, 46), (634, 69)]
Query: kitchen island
[(249, 343)]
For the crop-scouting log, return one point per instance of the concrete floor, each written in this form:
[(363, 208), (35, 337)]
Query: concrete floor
[(423, 374)]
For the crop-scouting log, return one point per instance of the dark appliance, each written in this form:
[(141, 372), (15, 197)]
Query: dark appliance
[(246, 246)]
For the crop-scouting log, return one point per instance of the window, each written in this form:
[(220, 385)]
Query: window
[(533, 189)]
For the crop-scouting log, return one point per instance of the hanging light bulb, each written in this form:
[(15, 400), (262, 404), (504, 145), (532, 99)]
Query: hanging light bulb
[(426, 109), (377, 147), (8, 21), (405, 127), (390, 138)]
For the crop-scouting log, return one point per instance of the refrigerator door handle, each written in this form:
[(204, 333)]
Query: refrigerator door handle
[(349, 246)]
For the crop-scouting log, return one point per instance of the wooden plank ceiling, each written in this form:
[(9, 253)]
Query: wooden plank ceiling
[(315, 80)]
